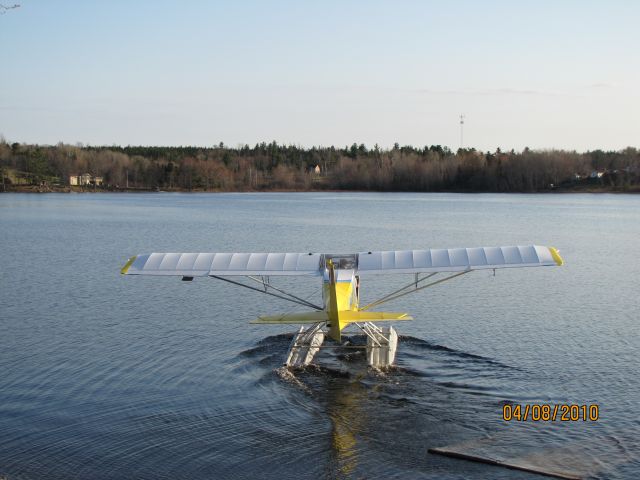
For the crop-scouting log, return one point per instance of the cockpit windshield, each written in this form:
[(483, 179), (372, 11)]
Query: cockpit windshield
[(342, 261)]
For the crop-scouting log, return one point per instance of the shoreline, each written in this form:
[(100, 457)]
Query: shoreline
[(70, 190)]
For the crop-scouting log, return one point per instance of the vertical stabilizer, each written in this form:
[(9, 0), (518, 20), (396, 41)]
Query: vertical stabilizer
[(334, 318)]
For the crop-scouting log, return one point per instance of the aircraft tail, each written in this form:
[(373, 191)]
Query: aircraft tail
[(335, 318), (335, 326)]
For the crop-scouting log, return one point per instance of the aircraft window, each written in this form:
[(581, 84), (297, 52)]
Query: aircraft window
[(342, 262)]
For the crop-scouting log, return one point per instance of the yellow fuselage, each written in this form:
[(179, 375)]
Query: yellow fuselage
[(340, 294), (341, 298)]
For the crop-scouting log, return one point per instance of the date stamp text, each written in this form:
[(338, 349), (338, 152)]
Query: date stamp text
[(545, 412)]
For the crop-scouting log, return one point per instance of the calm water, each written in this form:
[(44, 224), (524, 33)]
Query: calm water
[(103, 376)]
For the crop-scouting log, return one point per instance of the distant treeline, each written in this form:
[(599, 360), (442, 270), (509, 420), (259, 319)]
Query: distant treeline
[(269, 166)]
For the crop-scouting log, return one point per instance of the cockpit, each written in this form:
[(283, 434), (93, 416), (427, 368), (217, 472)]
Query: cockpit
[(342, 261)]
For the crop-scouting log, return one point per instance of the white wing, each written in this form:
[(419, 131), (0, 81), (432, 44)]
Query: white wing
[(456, 259), (223, 264), (312, 264)]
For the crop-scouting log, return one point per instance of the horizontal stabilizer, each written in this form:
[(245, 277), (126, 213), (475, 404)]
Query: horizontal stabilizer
[(293, 318), (351, 316)]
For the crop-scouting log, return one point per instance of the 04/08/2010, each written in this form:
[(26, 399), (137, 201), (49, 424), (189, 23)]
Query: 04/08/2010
[(550, 413)]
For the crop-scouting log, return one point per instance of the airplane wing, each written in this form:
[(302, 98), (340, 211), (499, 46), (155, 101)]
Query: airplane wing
[(224, 264), (365, 263), (456, 259)]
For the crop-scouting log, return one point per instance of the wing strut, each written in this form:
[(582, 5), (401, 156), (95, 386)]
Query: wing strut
[(415, 282), (405, 290), (286, 296), (264, 281)]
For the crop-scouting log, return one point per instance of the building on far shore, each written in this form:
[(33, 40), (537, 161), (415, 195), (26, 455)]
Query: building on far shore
[(85, 179)]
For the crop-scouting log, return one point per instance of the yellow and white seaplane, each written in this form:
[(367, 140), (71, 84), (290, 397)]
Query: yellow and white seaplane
[(341, 274)]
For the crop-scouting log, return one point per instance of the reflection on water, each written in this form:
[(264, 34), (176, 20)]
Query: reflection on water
[(428, 408), (341, 395), (345, 417)]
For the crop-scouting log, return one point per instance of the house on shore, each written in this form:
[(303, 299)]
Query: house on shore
[(86, 179)]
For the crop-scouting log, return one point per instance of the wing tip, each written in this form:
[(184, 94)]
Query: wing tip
[(125, 269), (556, 256)]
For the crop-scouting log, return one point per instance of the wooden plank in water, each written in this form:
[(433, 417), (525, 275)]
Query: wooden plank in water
[(515, 463)]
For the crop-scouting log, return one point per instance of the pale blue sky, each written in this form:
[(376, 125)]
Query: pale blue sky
[(545, 75)]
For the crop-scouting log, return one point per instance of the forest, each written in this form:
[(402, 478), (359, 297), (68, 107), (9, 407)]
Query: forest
[(270, 166)]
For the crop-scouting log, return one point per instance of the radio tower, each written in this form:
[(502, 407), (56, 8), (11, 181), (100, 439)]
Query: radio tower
[(461, 131)]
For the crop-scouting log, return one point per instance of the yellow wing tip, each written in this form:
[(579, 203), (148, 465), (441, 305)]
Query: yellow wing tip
[(556, 256), (125, 269)]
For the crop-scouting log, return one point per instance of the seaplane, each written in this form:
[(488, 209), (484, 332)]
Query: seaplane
[(341, 275)]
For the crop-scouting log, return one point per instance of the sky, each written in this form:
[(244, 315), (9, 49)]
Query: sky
[(543, 75)]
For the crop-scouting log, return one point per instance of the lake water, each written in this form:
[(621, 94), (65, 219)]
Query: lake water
[(104, 376)]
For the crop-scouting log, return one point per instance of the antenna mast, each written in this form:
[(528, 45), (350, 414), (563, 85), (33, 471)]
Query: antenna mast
[(461, 131)]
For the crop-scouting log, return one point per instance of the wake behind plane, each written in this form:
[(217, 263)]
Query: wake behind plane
[(341, 275)]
